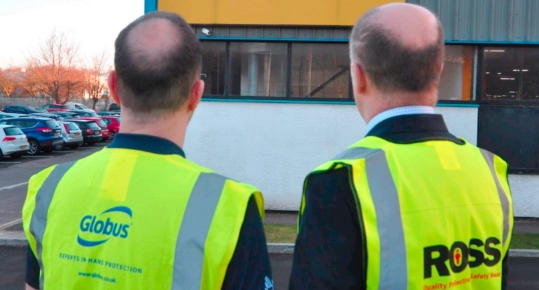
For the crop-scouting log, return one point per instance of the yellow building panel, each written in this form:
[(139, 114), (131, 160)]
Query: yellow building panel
[(271, 12)]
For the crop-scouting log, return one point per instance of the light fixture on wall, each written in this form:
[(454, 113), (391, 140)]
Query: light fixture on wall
[(206, 31)]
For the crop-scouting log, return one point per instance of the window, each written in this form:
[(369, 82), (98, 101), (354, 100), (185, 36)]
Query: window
[(13, 131), (51, 124), (510, 73), (72, 126), (457, 75), (320, 70), (213, 67), (298, 70), (258, 69)]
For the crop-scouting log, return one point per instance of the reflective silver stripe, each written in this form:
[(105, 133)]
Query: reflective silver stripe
[(489, 157), (356, 153), (189, 256), (39, 216), (393, 266), (393, 263)]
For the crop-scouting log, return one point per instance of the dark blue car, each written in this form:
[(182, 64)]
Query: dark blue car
[(22, 109), (42, 133)]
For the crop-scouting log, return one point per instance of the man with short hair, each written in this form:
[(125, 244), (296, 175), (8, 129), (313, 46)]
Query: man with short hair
[(137, 214), (410, 206)]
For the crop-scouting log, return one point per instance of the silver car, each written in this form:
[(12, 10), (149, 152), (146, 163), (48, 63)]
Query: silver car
[(72, 135)]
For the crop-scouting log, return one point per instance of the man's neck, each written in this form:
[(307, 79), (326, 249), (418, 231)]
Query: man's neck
[(172, 127)]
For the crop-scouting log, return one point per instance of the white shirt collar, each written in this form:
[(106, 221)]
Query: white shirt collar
[(409, 110)]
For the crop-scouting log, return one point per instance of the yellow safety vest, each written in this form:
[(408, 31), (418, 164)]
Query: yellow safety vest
[(127, 219), (435, 214)]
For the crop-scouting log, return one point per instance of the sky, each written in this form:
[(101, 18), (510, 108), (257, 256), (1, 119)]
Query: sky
[(92, 24)]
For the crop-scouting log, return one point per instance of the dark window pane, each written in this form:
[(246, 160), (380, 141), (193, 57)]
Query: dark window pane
[(456, 78), (213, 67), (258, 69), (510, 73), (320, 70)]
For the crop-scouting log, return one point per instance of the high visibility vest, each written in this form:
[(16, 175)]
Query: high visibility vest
[(434, 215), (127, 219)]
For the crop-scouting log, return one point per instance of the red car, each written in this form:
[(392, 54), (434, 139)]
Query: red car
[(54, 108), (113, 124), (99, 121)]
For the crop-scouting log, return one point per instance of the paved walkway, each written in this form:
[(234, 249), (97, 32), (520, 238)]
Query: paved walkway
[(522, 225)]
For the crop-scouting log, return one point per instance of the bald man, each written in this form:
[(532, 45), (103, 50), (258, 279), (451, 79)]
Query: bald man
[(138, 214), (410, 206)]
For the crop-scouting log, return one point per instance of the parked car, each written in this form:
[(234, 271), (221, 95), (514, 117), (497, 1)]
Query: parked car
[(84, 113), (91, 133), (104, 129), (77, 106), (22, 109), (72, 135), (54, 108), (10, 115), (54, 116), (113, 124), (42, 133), (13, 142), (114, 107)]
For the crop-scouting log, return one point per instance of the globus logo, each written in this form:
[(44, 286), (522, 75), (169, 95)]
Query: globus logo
[(98, 229), (460, 256)]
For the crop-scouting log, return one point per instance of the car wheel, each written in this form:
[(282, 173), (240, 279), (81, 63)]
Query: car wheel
[(1, 154), (59, 147), (48, 149), (16, 156), (33, 149), (111, 137)]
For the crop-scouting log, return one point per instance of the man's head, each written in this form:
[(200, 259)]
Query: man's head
[(158, 61), (397, 53)]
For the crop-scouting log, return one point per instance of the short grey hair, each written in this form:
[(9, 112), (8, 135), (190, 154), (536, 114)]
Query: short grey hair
[(391, 65)]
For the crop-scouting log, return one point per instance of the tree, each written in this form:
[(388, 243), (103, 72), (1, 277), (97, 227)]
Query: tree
[(53, 68), (95, 74), (9, 80)]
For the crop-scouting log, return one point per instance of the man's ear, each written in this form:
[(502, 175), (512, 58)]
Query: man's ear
[(359, 79), (113, 86), (196, 94)]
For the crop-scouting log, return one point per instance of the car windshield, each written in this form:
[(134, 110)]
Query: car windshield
[(13, 131), (72, 126), (119, 120), (93, 126), (51, 124), (102, 124)]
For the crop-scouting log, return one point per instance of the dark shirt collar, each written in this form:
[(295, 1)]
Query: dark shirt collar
[(146, 143), (413, 128)]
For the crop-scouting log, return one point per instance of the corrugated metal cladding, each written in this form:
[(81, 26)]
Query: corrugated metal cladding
[(274, 33), (514, 21)]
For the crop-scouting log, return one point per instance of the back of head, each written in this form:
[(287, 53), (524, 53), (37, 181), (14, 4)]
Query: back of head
[(157, 60), (400, 47)]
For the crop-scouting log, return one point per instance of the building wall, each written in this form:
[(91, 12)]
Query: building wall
[(274, 146), (274, 12)]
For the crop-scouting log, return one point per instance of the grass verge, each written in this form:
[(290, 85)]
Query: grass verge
[(280, 233), (287, 234), (525, 241)]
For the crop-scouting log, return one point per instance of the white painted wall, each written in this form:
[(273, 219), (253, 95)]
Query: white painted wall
[(274, 146)]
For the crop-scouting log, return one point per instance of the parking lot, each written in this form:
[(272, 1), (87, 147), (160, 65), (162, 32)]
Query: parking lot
[(14, 175)]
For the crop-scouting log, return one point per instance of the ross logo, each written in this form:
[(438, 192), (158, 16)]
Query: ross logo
[(113, 222), (460, 256)]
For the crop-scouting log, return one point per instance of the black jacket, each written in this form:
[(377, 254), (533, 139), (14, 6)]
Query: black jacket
[(329, 251)]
